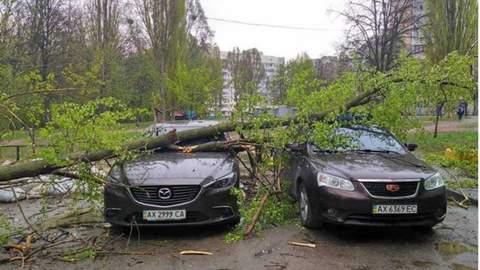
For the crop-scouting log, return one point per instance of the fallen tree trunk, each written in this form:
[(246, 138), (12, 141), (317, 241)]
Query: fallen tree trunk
[(39, 167)]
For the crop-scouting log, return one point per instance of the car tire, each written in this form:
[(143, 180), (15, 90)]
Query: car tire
[(306, 216)]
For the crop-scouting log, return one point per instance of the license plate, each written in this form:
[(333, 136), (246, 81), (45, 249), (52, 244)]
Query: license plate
[(161, 215), (395, 209)]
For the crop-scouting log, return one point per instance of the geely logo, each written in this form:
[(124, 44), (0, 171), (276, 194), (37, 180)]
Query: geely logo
[(392, 187)]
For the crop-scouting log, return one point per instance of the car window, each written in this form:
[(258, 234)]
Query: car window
[(366, 139)]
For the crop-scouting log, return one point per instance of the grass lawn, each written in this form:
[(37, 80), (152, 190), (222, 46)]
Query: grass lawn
[(427, 144), (463, 172)]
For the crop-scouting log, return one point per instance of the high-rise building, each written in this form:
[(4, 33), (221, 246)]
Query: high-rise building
[(271, 65), (413, 38)]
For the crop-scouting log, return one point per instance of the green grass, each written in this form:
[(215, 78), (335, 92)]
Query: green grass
[(462, 183), (15, 135), (427, 144), (433, 151)]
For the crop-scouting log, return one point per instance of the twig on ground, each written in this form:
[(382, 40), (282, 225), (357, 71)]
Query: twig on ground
[(462, 203), (301, 244), (195, 252)]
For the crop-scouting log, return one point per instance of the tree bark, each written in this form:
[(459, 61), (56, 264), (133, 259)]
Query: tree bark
[(437, 118)]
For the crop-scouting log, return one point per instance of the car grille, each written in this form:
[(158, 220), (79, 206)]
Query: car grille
[(379, 189), (179, 194)]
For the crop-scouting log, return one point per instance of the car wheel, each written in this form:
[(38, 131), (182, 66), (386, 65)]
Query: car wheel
[(306, 215)]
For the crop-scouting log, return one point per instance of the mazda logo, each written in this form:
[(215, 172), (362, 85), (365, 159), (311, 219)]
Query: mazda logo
[(164, 193)]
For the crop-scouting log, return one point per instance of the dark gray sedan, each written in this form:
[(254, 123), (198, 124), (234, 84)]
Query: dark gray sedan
[(372, 180), (172, 188)]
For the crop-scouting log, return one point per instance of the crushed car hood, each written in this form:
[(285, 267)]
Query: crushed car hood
[(168, 168), (373, 165)]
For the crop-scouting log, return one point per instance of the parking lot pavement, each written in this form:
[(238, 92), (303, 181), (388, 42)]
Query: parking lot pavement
[(451, 245)]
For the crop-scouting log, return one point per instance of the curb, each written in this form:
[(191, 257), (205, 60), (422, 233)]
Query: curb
[(451, 193)]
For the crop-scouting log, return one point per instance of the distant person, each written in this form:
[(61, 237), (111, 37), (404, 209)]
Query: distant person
[(465, 108), (462, 107)]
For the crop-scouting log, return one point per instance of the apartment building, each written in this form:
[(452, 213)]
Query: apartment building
[(271, 65), (413, 39)]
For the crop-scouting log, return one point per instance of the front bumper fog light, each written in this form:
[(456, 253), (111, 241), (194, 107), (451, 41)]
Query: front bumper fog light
[(111, 212)]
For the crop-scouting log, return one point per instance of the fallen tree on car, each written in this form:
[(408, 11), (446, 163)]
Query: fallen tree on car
[(39, 167)]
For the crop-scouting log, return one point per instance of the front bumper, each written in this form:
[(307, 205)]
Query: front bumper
[(355, 207), (211, 206)]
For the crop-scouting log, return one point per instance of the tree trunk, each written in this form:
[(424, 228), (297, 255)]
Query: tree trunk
[(475, 103), (437, 117), (38, 167)]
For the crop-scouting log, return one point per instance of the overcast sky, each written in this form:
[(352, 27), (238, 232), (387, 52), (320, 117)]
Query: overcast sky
[(276, 41)]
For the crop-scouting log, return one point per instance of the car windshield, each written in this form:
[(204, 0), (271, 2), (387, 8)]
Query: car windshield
[(364, 139)]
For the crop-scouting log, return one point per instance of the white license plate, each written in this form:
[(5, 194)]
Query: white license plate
[(394, 209), (161, 215)]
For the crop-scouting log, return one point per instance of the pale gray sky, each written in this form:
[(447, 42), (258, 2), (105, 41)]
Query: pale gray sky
[(275, 41)]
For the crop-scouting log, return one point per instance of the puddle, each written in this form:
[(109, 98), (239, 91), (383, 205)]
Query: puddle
[(449, 249), (457, 266)]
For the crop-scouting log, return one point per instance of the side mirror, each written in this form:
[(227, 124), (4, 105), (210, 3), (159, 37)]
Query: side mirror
[(294, 147), (411, 146)]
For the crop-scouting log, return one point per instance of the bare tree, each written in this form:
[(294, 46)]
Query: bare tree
[(197, 24), (6, 25), (44, 26), (104, 24), (378, 28), (452, 26), (165, 25), (247, 71)]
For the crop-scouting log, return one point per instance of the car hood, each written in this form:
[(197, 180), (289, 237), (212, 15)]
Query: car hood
[(168, 168), (373, 165)]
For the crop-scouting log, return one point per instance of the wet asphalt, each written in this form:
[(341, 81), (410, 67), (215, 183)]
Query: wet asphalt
[(450, 245)]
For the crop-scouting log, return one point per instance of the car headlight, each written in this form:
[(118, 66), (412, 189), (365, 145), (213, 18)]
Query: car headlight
[(332, 181), (114, 175), (224, 181), (433, 182)]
